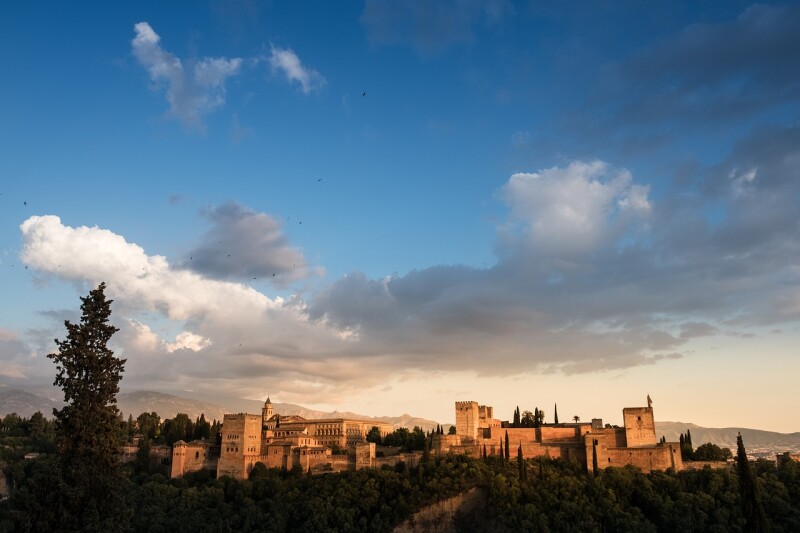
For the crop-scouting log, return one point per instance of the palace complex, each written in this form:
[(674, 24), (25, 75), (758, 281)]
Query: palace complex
[(338, 443), (596, 446)]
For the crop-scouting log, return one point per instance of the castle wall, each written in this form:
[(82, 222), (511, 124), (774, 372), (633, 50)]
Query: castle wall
[(556, 433), (640, 427), (644, 458), (193, 456)]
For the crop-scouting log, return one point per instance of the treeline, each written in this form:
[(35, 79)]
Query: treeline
[(171, 430), (543, 495), (704, 452)]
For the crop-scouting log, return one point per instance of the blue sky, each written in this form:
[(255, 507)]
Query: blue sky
[(390, 206)]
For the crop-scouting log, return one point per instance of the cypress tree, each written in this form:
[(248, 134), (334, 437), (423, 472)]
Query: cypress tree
[(501, 449), (689, 439), (536, 417), (508, 454), (520, 463), (755, 519), (516, 418), (484, 451), (87, 435), (555, 413)]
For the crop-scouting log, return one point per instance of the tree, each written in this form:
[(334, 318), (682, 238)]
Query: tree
[(87, 436), (536, 417), (527, 419), (712, 452), (374, 435), (452, 430), (508, 455), (516, 418), (202, 428), (576, 418), (521, 463), (555, 413), (754, 517)]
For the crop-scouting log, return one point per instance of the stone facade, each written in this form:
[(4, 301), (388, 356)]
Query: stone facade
[(283, 442), (591, 443)]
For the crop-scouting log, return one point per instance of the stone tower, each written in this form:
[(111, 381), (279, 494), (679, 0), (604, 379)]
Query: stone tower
[(266, 412), (467, 416)]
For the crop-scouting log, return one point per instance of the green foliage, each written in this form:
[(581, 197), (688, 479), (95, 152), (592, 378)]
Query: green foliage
[(712, 452), (414, 440), (752, 507), (452, 430), (87, 428), (374, 435)]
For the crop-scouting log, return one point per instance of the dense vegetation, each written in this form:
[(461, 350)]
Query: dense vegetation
[(552, 495)]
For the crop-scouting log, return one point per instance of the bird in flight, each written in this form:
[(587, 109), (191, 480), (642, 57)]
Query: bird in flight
[(364, 93), (25, 202), (319, 179)]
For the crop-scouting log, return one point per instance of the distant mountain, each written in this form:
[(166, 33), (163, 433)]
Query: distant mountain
[(753, 439), (26, 403), (168, 405)]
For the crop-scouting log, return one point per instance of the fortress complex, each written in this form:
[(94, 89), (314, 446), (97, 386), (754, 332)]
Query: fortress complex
[(591, 444), (278, 442)]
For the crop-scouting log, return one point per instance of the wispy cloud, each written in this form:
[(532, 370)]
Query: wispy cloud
[(193, 90), (286, 62)]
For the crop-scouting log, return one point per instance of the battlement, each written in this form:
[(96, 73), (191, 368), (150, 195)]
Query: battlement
[(465, 405)]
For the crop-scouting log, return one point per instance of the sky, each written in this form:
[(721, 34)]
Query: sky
[(389, 206)]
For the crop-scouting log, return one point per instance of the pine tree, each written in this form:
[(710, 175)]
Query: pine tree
[(87, 434), (555, 413), (754, 517)]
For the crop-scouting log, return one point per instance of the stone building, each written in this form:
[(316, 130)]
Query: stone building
[(589, 443), (281, 442)]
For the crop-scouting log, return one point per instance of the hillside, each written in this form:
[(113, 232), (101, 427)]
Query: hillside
[(754, 439)]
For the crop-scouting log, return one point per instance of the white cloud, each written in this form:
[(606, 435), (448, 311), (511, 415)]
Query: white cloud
[(190, 94), (186, 340), (287, 62), (577, 208)]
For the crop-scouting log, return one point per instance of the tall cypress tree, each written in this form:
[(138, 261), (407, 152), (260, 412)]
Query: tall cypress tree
[(520, 463), (536, 417), (516, 418), (508, 454), (87, 435), (755, 519), (555, 413)]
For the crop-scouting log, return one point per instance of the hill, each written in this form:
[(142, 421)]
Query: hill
[(757, 442)]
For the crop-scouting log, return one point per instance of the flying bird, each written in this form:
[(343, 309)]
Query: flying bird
[(25, 203), (364, 93)]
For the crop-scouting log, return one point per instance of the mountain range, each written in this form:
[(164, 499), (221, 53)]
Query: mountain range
[(25, 403)]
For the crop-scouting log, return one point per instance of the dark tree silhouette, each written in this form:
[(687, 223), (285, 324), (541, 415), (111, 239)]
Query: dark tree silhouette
[(87, 428), (555, 413), (755, 520)]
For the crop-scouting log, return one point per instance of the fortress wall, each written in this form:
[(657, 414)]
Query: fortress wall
[(560, 433), (516, 436), (643, 458), (191, 457), (640, 427)]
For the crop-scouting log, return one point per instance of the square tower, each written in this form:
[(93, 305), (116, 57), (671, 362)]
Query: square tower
[(640, 426), (467, 419)]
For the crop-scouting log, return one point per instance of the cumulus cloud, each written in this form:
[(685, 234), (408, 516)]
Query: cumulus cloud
[(577, 208), (286, 62), (243, 244), (192, 90), (229, 334)]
